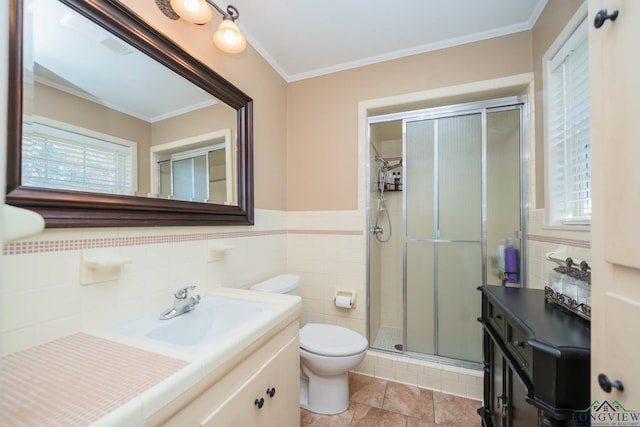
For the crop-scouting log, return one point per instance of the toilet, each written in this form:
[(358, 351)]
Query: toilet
[(327, 354)]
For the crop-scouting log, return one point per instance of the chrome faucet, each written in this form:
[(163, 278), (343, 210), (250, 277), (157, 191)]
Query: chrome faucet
[(181, 304)]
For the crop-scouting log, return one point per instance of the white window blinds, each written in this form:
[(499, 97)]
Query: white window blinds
[(56, 158), (569, 176)]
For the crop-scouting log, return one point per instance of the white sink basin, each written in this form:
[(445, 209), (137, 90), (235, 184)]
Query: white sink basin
[(212, 318)]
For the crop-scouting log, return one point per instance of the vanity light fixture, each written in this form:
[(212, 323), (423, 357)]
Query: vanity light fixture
[(227, 37)]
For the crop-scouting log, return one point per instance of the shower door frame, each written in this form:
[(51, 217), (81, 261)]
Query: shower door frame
[(483, 108)]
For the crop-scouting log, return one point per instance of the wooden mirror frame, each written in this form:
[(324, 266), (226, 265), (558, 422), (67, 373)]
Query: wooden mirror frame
[(66, 208)]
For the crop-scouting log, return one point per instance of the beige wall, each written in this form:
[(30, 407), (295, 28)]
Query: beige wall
[(198, 122), (553, 19), (322, 116), (322, 123)]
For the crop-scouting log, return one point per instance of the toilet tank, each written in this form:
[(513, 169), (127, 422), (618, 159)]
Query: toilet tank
[(282, 284)]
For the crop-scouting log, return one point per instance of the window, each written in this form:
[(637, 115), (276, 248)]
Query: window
[(197, 175), (198, 168), (70, 160), (567, 120)]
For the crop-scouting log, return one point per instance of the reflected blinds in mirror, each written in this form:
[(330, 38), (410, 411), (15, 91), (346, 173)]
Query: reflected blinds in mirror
[(56, 158)]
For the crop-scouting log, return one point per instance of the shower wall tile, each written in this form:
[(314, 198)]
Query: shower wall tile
[(456, 388), (430, 378), (406, 377), (444, 378)]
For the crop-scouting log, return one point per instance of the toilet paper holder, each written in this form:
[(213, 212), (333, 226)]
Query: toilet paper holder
[(344, 299)]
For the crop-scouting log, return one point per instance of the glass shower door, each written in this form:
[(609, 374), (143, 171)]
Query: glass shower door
[(444, 235), (419, 235)]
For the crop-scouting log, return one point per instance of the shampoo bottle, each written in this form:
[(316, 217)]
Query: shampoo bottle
[(511, 263)]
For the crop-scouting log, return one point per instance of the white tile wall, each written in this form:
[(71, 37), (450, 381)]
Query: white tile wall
[(576, 244), (42, 298), (328, 251)]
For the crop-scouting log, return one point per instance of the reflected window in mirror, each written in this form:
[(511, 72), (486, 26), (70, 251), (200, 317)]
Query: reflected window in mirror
[(199, 167), (67, 158)]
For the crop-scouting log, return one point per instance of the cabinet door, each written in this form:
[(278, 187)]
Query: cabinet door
[(509, 407), (498, 394), (614, 61), (615, 105), (520, 413), (283, 374), (281, 410)]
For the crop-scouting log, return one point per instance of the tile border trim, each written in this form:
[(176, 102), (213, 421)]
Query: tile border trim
[(560, 241), (45, 246)]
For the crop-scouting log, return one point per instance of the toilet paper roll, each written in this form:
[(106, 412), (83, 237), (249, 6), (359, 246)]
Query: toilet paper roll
[(343, 301)]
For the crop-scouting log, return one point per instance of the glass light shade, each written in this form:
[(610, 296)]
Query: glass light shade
[(228, 37), (194, 11)]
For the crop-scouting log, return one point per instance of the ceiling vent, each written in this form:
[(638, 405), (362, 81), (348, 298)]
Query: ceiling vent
[(116, 46)]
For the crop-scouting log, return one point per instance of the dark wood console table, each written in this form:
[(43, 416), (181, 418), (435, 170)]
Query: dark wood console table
[(536, 360)]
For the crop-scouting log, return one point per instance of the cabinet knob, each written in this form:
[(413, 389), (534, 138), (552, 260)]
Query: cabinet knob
[(499, 403), (520, 344), (602, 16), (606, 385), (271, 391), (259, 402)]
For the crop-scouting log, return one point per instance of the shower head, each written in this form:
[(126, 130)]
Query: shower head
[(397, 165), (384, 162)]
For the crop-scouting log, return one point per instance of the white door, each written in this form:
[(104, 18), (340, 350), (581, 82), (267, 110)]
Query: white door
[(614, 51)]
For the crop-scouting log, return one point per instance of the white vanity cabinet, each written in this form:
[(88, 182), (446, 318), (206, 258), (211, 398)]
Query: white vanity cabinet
[(252, 403), (227, 398)]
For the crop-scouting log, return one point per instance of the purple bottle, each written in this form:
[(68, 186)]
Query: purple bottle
[(511, 264)]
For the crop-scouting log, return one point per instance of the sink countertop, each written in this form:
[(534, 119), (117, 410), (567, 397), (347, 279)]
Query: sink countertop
[(185, 368)]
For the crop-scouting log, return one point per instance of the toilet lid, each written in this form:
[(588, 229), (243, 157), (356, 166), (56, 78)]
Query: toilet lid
[(280, 284), (331, 340)]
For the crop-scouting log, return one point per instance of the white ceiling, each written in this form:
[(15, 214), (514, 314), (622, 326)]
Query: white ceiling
[(307, 38), (299, 38)]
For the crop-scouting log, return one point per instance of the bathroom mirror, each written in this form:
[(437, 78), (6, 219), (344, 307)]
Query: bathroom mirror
[(112, 124)]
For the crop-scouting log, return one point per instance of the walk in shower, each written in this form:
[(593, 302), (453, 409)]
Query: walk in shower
[(445, 198)]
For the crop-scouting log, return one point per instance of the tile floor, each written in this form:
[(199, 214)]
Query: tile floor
[(379, 403)]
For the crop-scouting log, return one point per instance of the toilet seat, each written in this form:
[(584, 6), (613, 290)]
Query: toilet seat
[(331, 340)]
